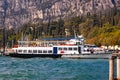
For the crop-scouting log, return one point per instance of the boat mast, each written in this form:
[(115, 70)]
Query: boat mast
[(75, 34)]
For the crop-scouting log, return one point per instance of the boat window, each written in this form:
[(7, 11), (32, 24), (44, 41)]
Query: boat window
[(29, 51), (60, 48), (65, 48), (69, 48), (50, 51), (19, 50), (44, 51), (34, 51), (75, 48), (85, 50), (25, 51), (39, 51)]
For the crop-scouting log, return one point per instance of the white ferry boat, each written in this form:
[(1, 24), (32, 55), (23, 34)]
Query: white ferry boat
[(74, 48)]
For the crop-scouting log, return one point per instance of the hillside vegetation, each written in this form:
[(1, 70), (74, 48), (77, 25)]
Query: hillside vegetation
[(99, 29)]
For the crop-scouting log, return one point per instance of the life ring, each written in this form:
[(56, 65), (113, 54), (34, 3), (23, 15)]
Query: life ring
[(15, 46), (62, 52)]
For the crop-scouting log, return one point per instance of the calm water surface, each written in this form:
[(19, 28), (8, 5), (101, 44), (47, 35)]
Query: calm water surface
[(53, 69)]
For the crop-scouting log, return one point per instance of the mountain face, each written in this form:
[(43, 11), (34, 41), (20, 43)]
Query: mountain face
[(14, 13)]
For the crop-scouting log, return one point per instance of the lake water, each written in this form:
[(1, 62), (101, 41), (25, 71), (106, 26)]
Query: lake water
[(53, 69)]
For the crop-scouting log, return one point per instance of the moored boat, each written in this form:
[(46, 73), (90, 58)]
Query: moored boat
[(74, 48)]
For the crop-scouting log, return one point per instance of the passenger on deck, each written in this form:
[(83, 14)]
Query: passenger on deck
[(92, 50)]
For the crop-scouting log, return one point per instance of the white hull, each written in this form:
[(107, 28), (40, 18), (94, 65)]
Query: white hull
[(87, 56)]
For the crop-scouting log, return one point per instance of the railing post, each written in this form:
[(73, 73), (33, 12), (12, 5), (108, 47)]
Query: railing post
[(118, 68), (111, 68)]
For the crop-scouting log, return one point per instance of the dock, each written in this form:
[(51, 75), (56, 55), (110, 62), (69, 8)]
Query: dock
[(115, 56)]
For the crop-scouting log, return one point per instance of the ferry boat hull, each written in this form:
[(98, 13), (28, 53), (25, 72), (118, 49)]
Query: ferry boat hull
[(73, 56), (35, 55), (87, 56)]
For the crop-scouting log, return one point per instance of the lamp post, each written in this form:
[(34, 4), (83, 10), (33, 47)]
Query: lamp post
[(4, 40)]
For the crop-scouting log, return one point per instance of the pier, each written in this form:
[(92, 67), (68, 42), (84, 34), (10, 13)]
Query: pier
[(115, 56)]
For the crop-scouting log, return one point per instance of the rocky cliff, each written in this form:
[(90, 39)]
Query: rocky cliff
[(13, 13)]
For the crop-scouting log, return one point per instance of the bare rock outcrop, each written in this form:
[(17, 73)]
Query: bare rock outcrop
[(14, 13)]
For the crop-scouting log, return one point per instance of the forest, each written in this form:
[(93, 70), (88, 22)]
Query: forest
[(101, 28)]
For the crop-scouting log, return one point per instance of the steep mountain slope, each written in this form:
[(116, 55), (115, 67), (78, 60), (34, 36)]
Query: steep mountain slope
[(13, 13)]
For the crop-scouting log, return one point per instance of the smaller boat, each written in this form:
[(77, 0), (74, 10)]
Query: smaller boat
[(73, 48)]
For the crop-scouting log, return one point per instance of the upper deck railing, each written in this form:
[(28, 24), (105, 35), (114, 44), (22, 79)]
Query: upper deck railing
[(39, 43)]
